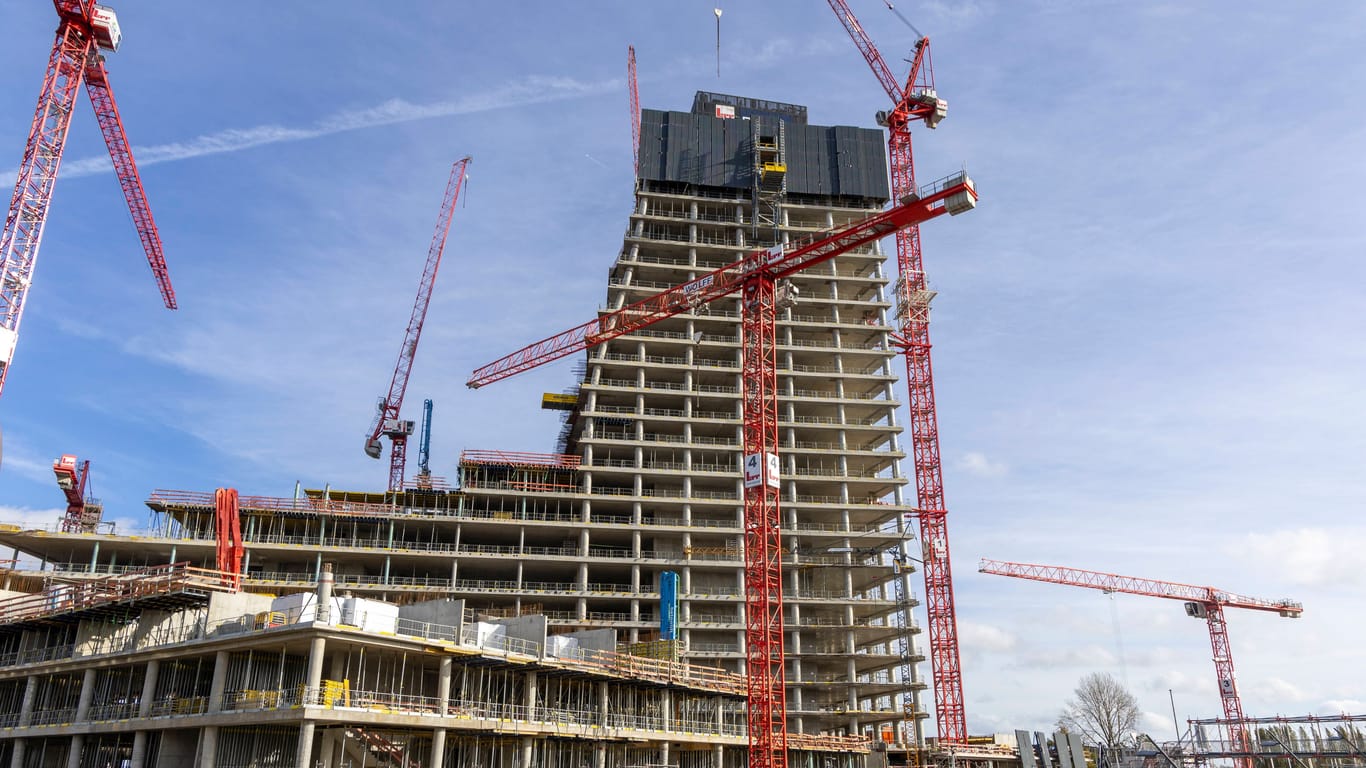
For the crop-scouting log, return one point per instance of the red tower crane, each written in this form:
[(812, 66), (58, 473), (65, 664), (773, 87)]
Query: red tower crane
[(917, 101), (635, 105), (1206, 603), (388, 421), (84, 29), (756, 277), (83, 512)]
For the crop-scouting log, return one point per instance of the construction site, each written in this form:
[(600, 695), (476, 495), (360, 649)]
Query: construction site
[(724, 563)]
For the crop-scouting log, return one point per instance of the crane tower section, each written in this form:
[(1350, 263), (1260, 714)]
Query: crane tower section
[(916, 100), (83, 27), (388, 420)]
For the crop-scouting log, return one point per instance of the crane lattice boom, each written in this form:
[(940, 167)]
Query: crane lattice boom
[(1205, 603), (388, 421), (1134, 585), (635, 105), (82, 28)]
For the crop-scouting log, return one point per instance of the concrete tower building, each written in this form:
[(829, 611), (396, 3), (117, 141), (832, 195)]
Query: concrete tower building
[(657, 420)]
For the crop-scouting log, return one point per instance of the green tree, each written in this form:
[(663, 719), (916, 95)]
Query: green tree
[(1103, 711)]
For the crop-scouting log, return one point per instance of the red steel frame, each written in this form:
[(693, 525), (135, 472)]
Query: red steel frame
[(914, 342), (767, 691), (635, 105), (755, 276), (1212, 600), (75, 498), (228, 550), (74, 59), (398, 385)]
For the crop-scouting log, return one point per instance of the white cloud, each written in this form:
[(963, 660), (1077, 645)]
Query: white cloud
[(30, 518), (1309, 556), (1275, 689), (975, 636), (1090, 657), (1340, 706), (978, 464)]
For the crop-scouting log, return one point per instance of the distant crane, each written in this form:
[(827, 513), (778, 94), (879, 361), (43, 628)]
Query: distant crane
[(388, 422), (917, 101), (635, 105), (424, 447), (83, 27), (1206, 603), (83, 511), (759, 277)]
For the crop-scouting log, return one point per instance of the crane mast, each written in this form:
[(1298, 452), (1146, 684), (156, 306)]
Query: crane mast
[(1206, 603), (635, 105), (759, 277), (83, 28), (388, 421), (424, 447), (917, 101)]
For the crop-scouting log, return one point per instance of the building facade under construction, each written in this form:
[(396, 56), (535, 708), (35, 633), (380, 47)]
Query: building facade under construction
[(632, 525)]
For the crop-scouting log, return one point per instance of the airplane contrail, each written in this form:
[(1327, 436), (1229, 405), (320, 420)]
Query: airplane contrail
[(517, 93)]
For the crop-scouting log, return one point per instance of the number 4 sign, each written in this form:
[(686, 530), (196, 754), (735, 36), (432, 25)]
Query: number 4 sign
[(761, 469)]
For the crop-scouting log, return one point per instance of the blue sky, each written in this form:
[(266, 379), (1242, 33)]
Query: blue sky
[(1148, 336)]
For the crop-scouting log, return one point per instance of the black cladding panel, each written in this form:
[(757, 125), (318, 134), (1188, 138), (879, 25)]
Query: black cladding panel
[(711, 151)]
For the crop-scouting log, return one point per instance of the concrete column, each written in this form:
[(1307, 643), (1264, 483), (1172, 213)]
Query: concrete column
[(305, 755), (139, 749), (26, 707), (149, 687), (16, 759), (438, 758), (87, 695), (73, 752), (718, 756), (528, 749), (219, 681), (443, 686), (208, 747), (529, 699), (325, 754)]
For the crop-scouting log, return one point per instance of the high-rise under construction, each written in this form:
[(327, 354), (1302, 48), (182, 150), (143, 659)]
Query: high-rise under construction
[(633, 524)]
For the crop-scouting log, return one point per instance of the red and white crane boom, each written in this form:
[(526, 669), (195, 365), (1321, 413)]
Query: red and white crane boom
[(635, 105), (83, 28), (756, 277), (1201, 602), (917, 101), (388, 421)]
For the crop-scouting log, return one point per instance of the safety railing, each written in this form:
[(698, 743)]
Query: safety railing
[(129, 587), (520, 459)]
